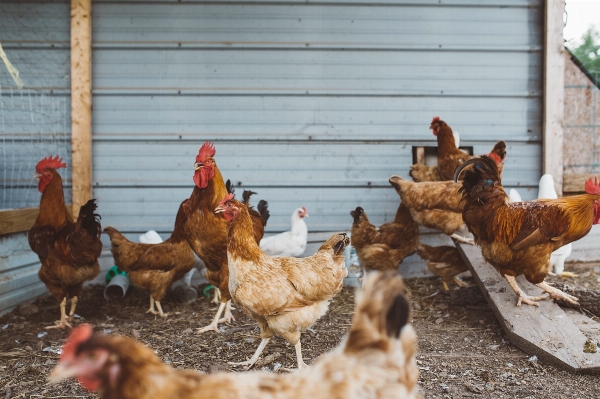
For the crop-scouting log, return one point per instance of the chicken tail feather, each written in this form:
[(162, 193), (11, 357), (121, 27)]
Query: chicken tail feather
[(382, 311), (263, 209), (246, 196)]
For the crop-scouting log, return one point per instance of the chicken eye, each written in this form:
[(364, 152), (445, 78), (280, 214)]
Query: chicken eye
[(92, 355)]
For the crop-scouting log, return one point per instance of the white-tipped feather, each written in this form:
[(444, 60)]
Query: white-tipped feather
[(558, 257), (289, 243)]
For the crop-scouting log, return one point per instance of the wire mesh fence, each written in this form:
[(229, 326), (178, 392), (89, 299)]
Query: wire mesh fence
[(33, 125)]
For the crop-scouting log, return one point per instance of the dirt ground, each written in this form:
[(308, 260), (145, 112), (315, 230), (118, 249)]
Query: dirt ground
[(463, 352)]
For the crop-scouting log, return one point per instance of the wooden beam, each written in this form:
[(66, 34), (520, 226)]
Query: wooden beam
[(81, 101), (546, 331), (573, 182), (554, 92), (17, 220)]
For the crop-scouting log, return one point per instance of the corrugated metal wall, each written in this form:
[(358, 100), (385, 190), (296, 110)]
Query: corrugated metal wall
[(313, 104), (34, 123)]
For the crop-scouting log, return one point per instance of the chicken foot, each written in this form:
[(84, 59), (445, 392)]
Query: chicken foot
[(530, 300), (250, 362), (227, 318), (460, 238), (563, 274), (62, 323), (555, 293), (158, 306)]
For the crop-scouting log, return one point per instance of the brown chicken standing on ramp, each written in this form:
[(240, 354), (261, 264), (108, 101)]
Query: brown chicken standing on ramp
[(518, 238), (155, 267), (68, 250)]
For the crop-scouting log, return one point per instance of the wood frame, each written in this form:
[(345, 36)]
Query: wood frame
[(19, 220), (554, 92), (81, 101)]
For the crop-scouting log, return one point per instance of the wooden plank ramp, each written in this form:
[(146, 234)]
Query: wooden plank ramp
[(547, 332)]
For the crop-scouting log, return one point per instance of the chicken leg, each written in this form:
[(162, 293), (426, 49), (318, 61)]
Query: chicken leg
[(62, 323), (250, 362), (73, 306), (299, 358), (213, 325), (228, 318), (151, 310), (530, 300), (555, 293)]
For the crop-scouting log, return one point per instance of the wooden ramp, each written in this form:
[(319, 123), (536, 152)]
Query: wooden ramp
[(547, 332)]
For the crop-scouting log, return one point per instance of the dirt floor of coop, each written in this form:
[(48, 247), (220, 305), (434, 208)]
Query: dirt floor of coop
[(463, 352)]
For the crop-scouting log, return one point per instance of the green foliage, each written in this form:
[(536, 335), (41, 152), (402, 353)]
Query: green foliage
[(588, 52)]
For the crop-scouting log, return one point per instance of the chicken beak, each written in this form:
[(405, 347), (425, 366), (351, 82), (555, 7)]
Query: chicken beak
[(36, 175), (198, 165), (219, 209), (305, 214), (61, 372)]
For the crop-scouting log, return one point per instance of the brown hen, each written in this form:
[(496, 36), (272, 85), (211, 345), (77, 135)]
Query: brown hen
[(386, 246), (155, 267)]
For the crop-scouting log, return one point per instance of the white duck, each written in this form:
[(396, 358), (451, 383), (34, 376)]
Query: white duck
[(289, 243), (547, 191)]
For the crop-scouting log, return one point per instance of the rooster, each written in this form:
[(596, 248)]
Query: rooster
[(206, 233), (436, 205), (284, 295), (445, 262), (68, 250), (376, 361), (558, 257), (386, 246), (288, 243), (518, 238), (155, 267), (449, 156)]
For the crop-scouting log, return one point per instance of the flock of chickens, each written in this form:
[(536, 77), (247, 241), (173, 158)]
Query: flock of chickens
[(285, 295)]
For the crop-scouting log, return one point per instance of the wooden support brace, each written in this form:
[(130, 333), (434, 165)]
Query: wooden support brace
[(81, 101)]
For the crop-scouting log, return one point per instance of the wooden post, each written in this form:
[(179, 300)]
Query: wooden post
[(554, 92), (81, 101)]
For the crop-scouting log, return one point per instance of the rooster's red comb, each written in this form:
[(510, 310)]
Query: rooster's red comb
[(78, 335), (435, 119), (50, 163), (227, 198), (207, 150), (592, 186)]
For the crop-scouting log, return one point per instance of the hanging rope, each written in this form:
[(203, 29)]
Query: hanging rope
[(14, 72)]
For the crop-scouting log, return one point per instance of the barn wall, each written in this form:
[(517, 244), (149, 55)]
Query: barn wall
[(581, 144), (34, 123), (312, 104)]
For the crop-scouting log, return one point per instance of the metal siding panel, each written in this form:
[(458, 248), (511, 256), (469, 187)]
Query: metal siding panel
[(234, 117), (307, 25), (308, 103)]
